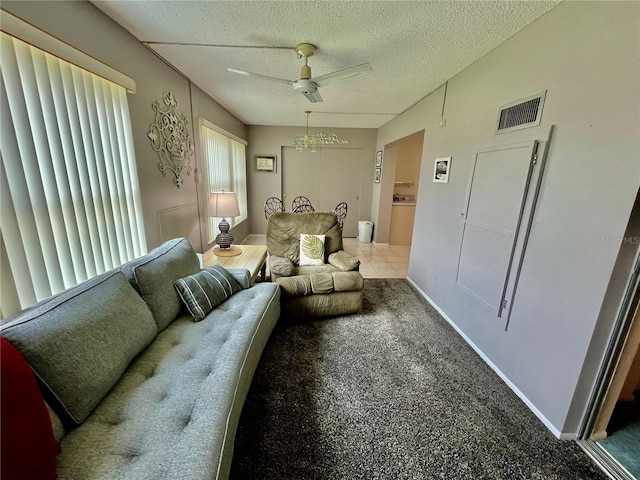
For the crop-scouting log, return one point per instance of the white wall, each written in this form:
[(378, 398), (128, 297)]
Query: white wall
[(88, 29), (265, 140), (586, 55)]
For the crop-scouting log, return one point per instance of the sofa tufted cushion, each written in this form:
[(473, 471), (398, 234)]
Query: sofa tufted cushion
[(154, 274), (205, 290), (174, 413), (56, 424), (81, 341)]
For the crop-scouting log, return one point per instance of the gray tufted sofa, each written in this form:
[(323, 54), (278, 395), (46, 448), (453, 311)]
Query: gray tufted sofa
[(140, 390)]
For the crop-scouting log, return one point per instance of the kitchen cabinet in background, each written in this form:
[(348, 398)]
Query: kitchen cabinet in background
[(402, 217)]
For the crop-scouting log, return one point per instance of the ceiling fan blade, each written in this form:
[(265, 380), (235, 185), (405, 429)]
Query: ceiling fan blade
[(259, 75), (340, 75), (313, 97)]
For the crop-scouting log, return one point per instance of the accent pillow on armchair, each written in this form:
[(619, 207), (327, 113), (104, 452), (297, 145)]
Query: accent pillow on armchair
[(311, 249)]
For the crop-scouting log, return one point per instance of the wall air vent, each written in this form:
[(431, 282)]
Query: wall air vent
[(523, 113)]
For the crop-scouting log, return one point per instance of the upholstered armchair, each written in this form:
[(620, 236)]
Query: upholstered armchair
[(316, 280)]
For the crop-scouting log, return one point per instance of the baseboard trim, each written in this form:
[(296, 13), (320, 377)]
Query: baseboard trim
[(557, 433), (254, 239)]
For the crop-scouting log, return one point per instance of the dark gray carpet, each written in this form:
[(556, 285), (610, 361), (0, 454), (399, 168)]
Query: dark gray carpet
[(392, 393)]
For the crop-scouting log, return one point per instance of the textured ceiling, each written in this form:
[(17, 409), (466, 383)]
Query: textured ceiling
[(413, 48)]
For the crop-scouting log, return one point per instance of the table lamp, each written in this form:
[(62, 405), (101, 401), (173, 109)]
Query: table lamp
[(221, 205)]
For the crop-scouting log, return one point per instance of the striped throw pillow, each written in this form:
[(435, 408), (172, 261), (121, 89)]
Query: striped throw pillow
[(205, 290)]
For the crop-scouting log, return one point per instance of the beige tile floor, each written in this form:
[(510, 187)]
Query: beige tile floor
[(379, 261), (376, 261)]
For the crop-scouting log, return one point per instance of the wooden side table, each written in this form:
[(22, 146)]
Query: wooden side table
[(253, 258)]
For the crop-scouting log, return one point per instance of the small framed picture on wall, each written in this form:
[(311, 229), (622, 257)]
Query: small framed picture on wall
[(379, 159), (441, 170), (377, 175), (265, 163)]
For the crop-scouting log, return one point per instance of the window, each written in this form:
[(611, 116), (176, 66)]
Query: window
[(225, 166), (69, 187)]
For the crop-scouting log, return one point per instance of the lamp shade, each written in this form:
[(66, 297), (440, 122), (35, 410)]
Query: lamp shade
[(223, 204)]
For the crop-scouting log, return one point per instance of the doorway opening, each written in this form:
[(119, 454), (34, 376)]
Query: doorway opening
[(402, 161)]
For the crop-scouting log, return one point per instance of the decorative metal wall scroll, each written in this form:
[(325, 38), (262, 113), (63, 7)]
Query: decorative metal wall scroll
[(330, 139), (169, 135)]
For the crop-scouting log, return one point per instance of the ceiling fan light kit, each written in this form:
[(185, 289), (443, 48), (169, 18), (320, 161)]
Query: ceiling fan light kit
[(306, 84)]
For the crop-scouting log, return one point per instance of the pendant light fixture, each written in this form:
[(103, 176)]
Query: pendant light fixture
[(306, 141)]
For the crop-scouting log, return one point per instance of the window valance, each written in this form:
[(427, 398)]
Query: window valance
[(28, 33)]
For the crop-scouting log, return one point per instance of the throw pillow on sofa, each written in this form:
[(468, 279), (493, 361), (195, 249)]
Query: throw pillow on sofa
[(153, 276), (205, 290), (99, 326), (311, 249)]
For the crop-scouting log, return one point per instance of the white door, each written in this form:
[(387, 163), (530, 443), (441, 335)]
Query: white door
[(496, 200), (326, 178)]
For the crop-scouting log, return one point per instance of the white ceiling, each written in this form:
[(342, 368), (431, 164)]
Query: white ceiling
[(413, 47)]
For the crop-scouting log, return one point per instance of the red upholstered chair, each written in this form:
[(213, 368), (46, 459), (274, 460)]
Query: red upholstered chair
[(29, 448)]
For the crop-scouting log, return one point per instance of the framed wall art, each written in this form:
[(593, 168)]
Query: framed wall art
[(379, 159), (265, 163), (441, 170)]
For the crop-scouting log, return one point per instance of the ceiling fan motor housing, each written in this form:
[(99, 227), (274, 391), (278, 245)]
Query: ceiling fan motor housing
[(305, 86)]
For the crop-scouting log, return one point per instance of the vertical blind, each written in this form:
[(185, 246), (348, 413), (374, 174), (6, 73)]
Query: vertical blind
[(225, 166), (69, 187)]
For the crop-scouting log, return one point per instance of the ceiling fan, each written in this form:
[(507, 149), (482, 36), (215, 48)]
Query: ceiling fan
[(306, 84)]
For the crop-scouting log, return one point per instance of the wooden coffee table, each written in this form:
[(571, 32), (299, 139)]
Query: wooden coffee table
[(253, 258)]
